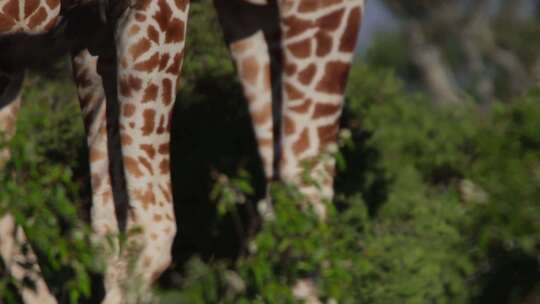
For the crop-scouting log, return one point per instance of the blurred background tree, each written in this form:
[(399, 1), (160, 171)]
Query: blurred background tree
[(481, 49)]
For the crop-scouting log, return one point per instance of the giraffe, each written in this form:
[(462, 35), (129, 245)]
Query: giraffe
[(293, 60), (292, 57), (136, 72)]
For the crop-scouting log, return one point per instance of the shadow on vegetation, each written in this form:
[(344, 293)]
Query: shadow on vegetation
[(210, 136), (361, 160), (512, 278)]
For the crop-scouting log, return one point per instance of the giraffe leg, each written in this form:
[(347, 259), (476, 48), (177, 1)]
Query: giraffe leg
[(252, 61), (20, 260), (93, 105), (150, 42), (318, 41), (314, 50), (245, 25), (94, 108), (314, 47), (10, 102)]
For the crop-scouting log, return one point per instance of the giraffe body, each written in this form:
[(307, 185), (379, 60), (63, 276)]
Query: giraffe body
[(292, 58), (27, 16)]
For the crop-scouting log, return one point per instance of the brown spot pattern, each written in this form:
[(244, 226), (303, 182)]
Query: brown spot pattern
[(301, 49), (308, 6), (250, 70), (30, 7), (288, 125), (167, 92), (177, 63), (331, 21), (324, 44), (302, 108), (52, 4), (334, 78), (150, 93), (37, 18), (262, 116), (163, 15), (324, 110), (153, 34), (296, 26), (166, 191), (146, 196), (134, 30), (161, 128), (6, 23), (164, 61), (327, 134), (145, 163), (348, 41), (149, 150), (176, 31), (149, 117), (126, 140), (302, 144), (164, 166), (129, 109), (290, 68), (306, 76), (163, 149), (132, 166), (181, 4), (11, 9), (139, 48), (96, 155), (292, 92), (149, 64), (128, 84)]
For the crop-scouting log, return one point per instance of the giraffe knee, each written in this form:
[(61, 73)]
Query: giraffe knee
[(154, 265), (162, 265), (159, 252), (315, 186)]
